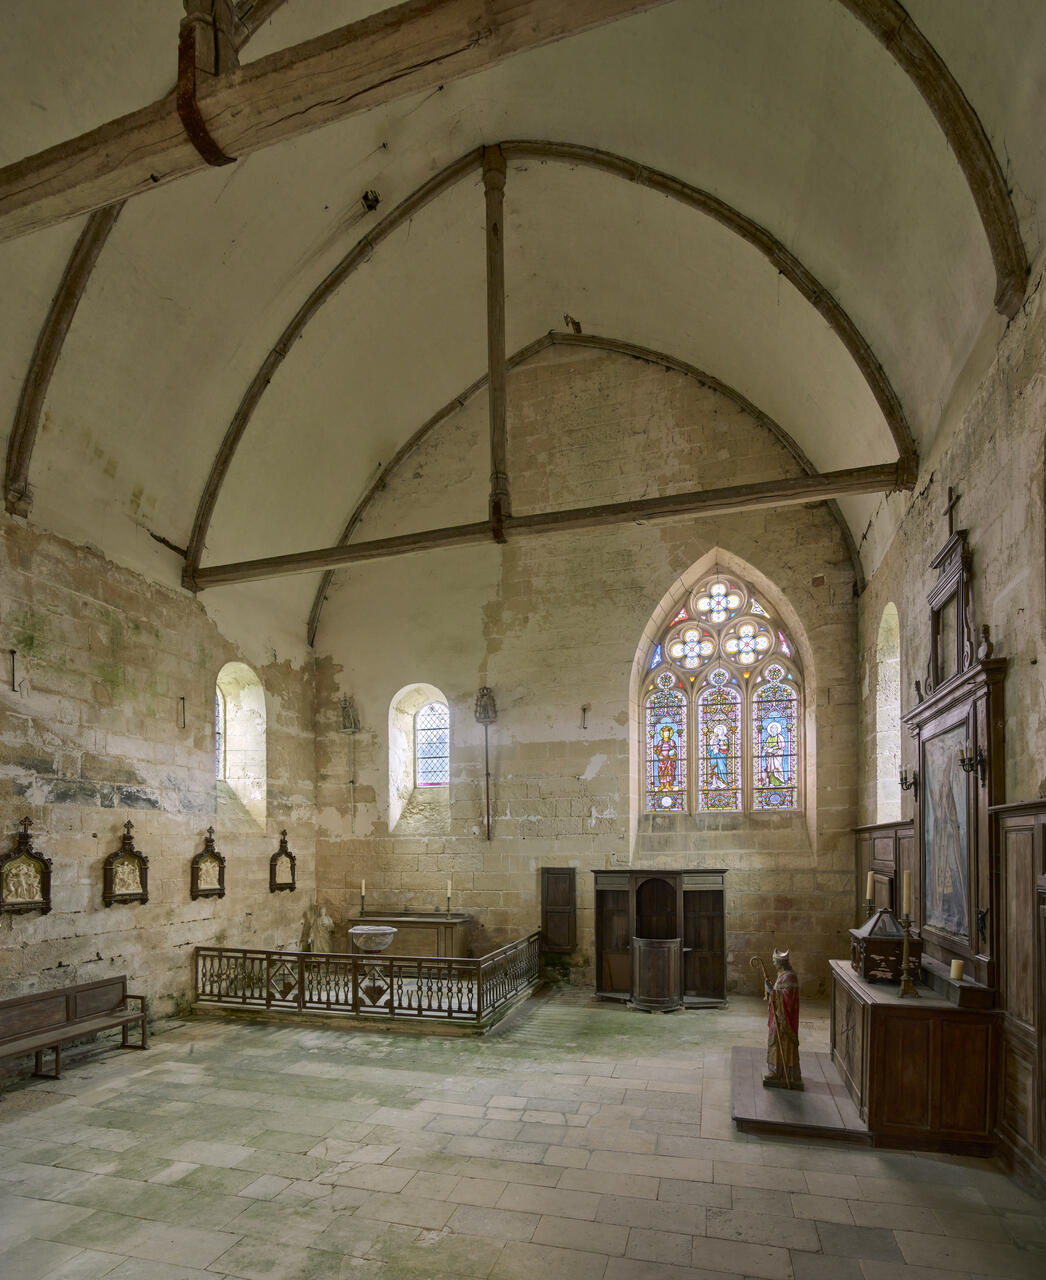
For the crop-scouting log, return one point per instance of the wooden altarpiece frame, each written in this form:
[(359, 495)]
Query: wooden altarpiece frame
[(957, 724), (207, 871), (283, 872), (125, 873), (25, 876)]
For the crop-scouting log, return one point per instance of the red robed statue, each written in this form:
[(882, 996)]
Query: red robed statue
[(782, 1024)]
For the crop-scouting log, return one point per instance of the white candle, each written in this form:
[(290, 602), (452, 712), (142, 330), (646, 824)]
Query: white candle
[(448, 888), (906, 900), (363, 888), (869, 888), (957, 970)]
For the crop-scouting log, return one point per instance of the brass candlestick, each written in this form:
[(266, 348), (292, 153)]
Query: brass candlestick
[(907, 987), (869, 908)]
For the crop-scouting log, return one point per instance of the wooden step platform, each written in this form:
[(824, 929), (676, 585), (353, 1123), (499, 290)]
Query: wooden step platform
[(823, 1109)]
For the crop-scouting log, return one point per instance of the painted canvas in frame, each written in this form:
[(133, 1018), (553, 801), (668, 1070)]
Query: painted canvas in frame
[(946, 834)]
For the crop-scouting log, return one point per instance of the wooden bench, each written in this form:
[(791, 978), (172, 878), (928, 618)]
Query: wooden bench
[(50, 1019)]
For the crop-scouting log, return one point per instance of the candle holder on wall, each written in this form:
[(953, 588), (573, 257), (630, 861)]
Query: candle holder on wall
[(970, 760), (910, 783)]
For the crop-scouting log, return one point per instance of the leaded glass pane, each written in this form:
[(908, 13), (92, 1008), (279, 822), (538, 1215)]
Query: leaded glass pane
[(219, 734), (655, 661), (432, 746), (691, 648), (719, 745), (666, 747), (774, 742)]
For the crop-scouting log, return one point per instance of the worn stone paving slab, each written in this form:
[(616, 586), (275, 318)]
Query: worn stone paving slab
[(579, 1141)]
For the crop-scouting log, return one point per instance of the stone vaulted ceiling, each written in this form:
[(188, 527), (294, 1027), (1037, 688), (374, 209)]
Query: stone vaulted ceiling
[(756, 189)]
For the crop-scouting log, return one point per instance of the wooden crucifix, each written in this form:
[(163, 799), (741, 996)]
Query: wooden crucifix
[(949, 509)]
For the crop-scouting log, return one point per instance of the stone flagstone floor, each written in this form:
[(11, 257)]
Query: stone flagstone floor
[(580, 1141)]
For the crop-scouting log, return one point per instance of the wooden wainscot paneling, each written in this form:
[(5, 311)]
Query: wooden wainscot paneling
[(885, 850), (1020, 875)]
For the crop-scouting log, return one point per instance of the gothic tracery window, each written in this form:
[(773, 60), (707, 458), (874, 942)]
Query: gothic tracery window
[(722, 706)]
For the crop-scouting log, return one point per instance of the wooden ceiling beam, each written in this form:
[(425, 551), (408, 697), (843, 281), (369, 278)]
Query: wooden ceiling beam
[(377, 60), (783, 492)]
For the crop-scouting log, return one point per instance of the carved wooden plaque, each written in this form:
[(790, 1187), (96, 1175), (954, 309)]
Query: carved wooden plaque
[(25, 876), (125, 873), (207, 871), (282, 868)]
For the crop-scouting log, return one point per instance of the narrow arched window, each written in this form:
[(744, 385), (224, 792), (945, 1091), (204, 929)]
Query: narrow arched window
[(239, 733), (432, 745), (775, 729), (219, 734), (888, 716), (666, 746), (719, 742), (721, 711)]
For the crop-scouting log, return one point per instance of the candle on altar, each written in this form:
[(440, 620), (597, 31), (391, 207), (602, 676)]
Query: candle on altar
[(363, 888), (870, 887), (906, 900), (957, 970)]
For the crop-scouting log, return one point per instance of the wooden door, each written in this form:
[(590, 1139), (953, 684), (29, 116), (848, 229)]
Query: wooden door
[(558, 909)]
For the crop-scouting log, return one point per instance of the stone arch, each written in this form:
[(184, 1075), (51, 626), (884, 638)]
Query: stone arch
[(413, 809), (888, 716), (240, 741), (728, 562)]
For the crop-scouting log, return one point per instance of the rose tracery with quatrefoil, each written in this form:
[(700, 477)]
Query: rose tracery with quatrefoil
[(721, 706)]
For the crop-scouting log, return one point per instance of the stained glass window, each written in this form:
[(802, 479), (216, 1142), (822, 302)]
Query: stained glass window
[(666, 747), (774, 745), (725, 659), (720, 602), (719, 744), (432, 746), (219, 733), (748, 643), (691, 648)]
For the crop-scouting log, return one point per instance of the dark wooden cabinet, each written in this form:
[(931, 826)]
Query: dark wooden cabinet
[(922, 1072), (680, 916)]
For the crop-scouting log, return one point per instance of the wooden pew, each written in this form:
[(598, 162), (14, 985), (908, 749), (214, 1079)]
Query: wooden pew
[(50, 1019)]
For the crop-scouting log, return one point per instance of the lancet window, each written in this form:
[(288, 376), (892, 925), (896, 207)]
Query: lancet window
[(722, 707)]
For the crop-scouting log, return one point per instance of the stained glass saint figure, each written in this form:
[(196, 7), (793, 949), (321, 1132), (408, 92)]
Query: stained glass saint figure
[(666, 747)]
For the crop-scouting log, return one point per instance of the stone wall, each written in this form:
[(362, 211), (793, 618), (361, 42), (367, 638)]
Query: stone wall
[(553, 624), (92, 736), (991, 452)]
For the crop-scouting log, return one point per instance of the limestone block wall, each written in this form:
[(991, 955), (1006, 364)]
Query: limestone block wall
[(92, 736), (991, 452), (553, 625)]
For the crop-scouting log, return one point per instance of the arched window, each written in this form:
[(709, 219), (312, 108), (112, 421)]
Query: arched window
[(722, 707), (666, 753), (419, 761), (239, 738), (432, 745), (888, 716)]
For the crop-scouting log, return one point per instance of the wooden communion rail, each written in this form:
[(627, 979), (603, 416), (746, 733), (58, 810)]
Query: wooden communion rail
[(447, 987)]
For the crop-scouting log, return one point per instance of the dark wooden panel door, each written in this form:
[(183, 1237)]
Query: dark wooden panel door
[(656, 909), (613, 943), (703, 943), (558, 909)]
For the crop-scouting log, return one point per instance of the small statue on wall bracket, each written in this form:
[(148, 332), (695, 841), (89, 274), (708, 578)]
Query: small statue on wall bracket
[(782, 1039)]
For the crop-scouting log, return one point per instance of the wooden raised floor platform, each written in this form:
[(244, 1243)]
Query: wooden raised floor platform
[(822, 1109)]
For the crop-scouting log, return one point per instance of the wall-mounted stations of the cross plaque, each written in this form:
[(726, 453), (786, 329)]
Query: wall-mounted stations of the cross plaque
[(282, 868), (957, 723), (125, 873), (25, 876), (207, 871)]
